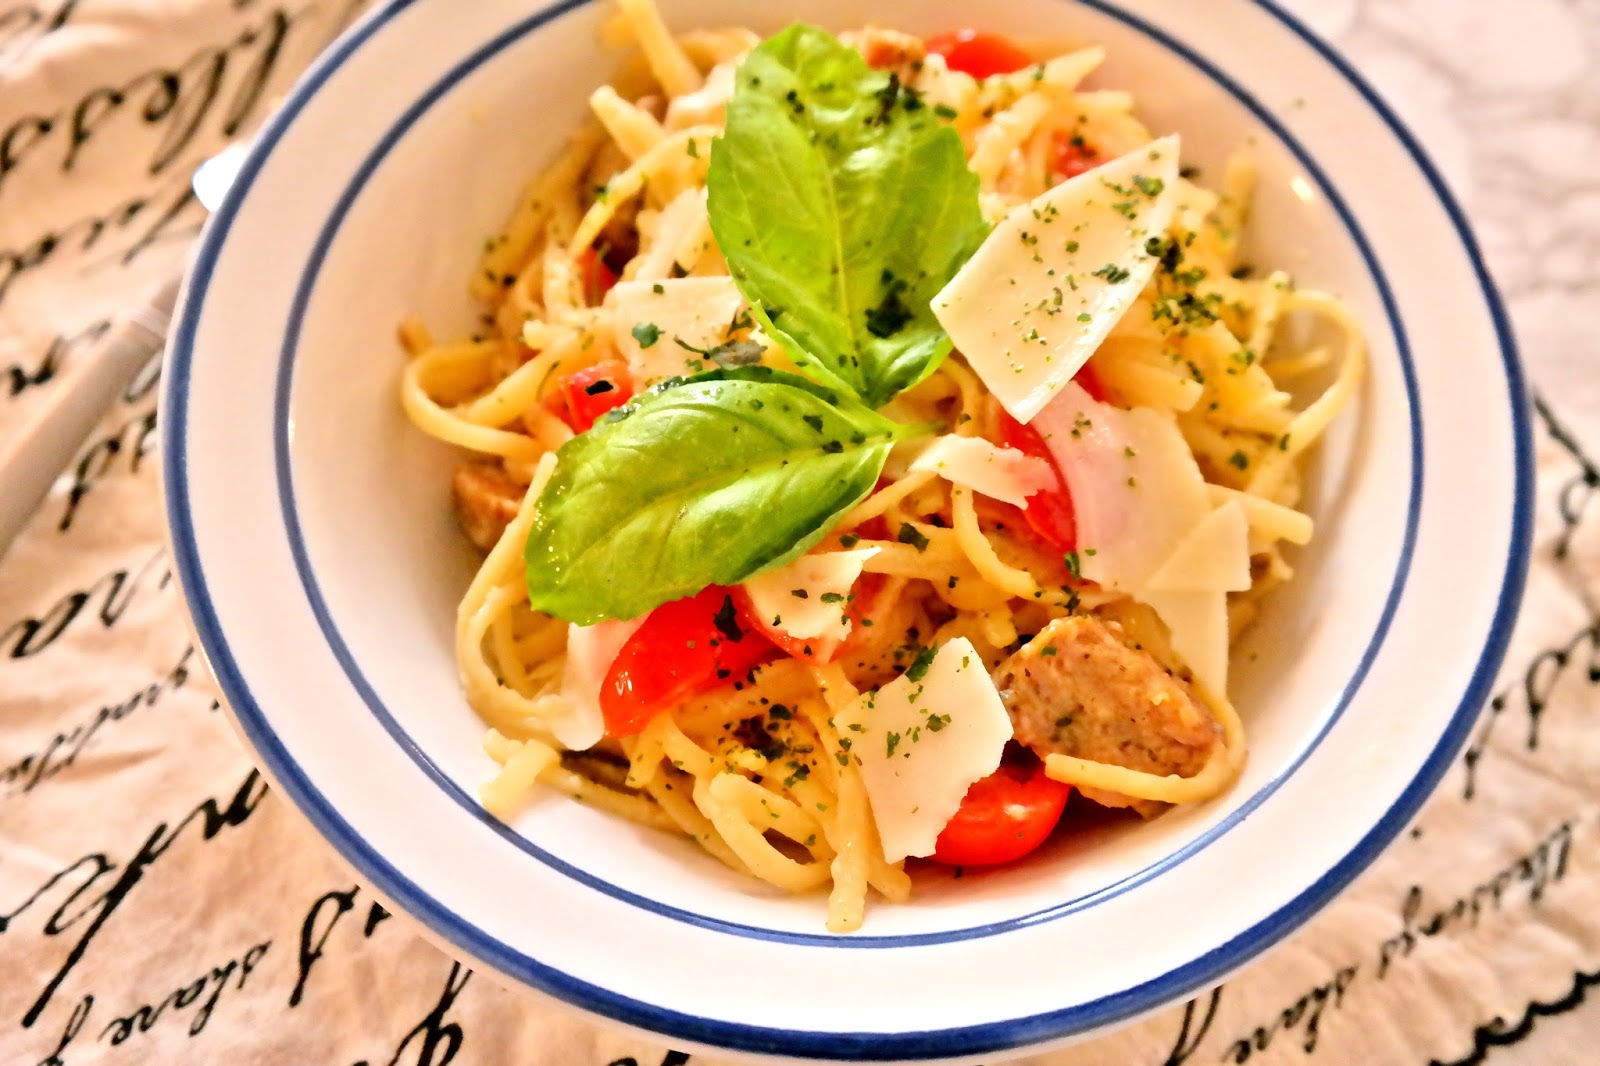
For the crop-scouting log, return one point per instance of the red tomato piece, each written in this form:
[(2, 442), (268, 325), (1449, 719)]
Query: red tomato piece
[(1073, 157), (592, 391), (683, 648), (867, 595), (1049, 511), (1003, 817), (1089, 382), (979, 53), (597, 278)]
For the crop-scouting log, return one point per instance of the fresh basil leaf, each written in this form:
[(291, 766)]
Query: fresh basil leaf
[(843, 205), (706, 482)]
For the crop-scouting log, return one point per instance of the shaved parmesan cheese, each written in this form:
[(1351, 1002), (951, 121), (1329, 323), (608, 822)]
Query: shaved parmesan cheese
[(1146, 525), (1053, 278), (590, 652), (1214, 557), (825, 579), (922, 743), (1136, 491), (1003, 473), (696, 311), (671, 231), (707, 105), (942, 87), (1197, 626)]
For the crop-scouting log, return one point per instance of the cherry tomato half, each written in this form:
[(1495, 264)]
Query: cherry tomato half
[(979, 53), (598, 279), (684, 648), (1049, 511), (1003, 817), (589, 393), (1073, 156)]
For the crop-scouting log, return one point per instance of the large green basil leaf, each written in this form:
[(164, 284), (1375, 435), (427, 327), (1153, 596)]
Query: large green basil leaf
[(706, 482), (843, 206)]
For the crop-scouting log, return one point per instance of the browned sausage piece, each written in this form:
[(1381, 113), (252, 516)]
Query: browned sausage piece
[(1079, 688), (885, 49), (487, 499)]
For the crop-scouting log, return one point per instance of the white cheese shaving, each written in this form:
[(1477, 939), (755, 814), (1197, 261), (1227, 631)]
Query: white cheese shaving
[(1002, 473), (1052, 279), (1214, 557), (696, 311), (707, 105), (590, 652), (1197, 626), (921, 744), (942, 87), (1145, 522), (826, 578), (668, 233), (1136, 491)]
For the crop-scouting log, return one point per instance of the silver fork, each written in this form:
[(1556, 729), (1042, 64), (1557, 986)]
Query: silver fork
[(48, 441)]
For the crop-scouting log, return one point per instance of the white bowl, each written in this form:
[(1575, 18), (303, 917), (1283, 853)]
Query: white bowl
[(322, 567)]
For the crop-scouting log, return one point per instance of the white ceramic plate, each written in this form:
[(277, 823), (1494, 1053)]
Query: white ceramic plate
[(314, 540)]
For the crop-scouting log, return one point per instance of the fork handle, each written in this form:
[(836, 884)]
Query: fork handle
[(49, 439)]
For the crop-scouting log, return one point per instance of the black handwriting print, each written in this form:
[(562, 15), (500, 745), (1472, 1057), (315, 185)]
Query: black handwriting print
[(108, 237), (1532, 693), (1497, 1032), (176, 102), (23, 26), (1543, 865), (1304, 1015), (434, 1040), (1188, 1043), (319, 924), (437, 1040), (61, 751), (205, 991), (1528, 876), (104, 600), (203, 994), (197, 103), (122, 450), (169, 216), (1573, 499), (84, 915), (32, 369)]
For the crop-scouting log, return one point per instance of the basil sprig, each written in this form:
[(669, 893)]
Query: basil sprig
[(703, 483), (843, 205)]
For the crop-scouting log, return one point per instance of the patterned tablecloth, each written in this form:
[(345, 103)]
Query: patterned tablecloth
[(159, 904)]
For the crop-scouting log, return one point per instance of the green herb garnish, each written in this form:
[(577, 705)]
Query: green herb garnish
[(910, 534), (875, 212), (919, 666), (625, 522)]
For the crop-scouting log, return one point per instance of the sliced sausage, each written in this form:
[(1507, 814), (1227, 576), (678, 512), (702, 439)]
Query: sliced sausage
[(1080, 688), (487, 499), (886, 49)]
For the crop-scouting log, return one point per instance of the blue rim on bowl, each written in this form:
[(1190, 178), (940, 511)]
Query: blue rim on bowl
[(974, 1039)]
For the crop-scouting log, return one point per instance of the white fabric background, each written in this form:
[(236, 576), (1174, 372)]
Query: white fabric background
[(158, 904)]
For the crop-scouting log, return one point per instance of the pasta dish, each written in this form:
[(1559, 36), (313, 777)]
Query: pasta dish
[(876, 443)]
